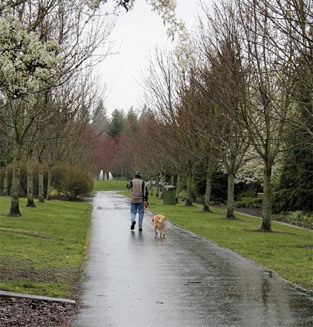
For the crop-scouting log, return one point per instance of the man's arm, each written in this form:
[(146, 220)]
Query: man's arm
[(129, 185), (146, 193)]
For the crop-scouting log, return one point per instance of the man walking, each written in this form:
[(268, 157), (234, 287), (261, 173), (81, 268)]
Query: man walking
[(139, 199)]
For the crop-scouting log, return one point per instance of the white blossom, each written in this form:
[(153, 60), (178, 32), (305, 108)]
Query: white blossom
[(176, 28), (26, 64)]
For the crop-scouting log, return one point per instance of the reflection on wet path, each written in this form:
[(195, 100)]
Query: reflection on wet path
[(136, 279)]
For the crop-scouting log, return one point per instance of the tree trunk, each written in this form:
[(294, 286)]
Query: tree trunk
[(5, 183), (230, 196), (151, 186), (157, 186), (177, 189), (49, 184), (188, 202), (15, 190), (41, 193), (30, 183), (161, 189), (267, 199), (208, 189)]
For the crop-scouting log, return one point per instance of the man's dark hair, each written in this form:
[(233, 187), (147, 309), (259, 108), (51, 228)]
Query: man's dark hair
[(138, 174)]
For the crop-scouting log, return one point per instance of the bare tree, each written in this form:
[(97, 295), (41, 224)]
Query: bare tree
[(294, 21), (221, 81), (268, 100), (165, 87)]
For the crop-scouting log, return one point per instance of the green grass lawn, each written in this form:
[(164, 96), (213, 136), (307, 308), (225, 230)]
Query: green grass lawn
[(43, 251), (110, 185)]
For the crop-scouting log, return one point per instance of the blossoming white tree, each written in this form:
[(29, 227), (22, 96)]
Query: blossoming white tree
[(27, 66)]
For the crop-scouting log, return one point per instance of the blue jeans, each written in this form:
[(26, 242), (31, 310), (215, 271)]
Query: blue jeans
[(134, 208)]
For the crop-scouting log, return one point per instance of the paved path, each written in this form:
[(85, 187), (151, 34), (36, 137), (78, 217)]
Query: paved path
[(138, 280)]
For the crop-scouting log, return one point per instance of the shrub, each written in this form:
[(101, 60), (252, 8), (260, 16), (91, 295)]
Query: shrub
[(246, 194), (72, 181), (249, 202), (297, 218)]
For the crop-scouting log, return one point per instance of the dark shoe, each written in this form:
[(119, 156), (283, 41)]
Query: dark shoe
[(132, 227), (140, 228)]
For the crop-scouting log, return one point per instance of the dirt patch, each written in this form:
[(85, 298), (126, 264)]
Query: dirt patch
[(267, 231), (256, 212), (26, 234), (305, 246), (34, 313), (59, 276)]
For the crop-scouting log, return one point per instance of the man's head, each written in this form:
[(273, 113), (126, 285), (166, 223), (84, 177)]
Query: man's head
[(138, 174)]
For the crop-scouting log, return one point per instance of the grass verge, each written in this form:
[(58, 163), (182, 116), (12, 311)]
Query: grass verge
[(43, 252)]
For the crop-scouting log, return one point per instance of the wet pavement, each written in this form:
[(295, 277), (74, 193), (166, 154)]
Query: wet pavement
[(139, 280)]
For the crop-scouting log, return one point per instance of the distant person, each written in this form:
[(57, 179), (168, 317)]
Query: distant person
[(139, 199)]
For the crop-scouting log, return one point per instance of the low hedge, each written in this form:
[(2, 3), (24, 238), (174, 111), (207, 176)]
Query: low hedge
[(249, 202), (297, 218)]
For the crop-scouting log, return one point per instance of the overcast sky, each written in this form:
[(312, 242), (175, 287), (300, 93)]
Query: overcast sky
[(136, 34)]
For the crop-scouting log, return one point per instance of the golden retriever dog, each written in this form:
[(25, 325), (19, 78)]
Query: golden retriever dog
[(159, 222)]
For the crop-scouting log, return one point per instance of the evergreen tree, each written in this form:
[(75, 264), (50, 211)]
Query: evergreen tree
[(131, 127), (116, 124), (100, 120), (295, 187)]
